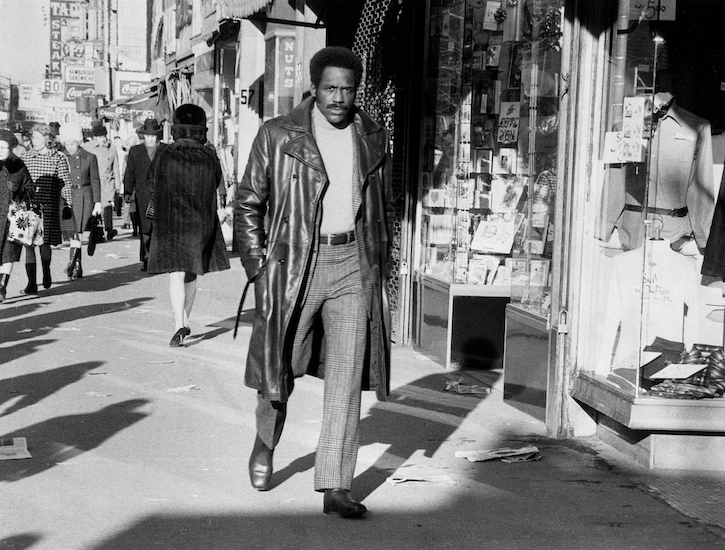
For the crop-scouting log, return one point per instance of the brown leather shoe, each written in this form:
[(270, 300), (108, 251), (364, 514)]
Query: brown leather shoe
[(260, 465), (340, 501)]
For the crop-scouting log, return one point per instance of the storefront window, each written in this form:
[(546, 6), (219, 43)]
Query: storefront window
[(489, 179), (654, 292)]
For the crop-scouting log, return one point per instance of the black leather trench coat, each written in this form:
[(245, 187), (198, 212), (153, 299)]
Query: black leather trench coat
[(277, 216)]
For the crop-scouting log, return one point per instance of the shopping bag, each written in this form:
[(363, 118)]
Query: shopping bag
[(25, 223)]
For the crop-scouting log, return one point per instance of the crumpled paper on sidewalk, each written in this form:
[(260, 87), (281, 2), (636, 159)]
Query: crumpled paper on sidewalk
[(421, 480), (506, 454), (459, 387)]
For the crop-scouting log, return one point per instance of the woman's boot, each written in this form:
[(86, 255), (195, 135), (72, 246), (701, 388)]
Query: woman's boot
[(31, 270), (3, 286), (47, 281), (71, 270), (78, 270)]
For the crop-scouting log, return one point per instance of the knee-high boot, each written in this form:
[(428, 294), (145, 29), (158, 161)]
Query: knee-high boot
[(32, 287), (78, 270), (47, 281), (3, 286), (74, 264)]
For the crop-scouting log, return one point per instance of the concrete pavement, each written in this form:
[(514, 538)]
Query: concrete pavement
[(136, 445)]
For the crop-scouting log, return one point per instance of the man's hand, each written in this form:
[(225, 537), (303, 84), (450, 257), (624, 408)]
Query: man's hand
[(127, 198), (97, 209)]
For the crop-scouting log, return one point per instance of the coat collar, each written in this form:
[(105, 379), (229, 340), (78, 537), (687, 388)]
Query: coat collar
[(304, 148)]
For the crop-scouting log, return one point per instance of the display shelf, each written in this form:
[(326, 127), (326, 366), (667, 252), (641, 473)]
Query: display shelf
[(527, 360), (452, 330), (649, 413)]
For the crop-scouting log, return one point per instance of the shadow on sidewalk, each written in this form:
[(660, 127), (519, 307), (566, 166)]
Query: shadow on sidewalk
[(33, 388), (90, 282), (31, 326), (65, 437), (419, 416)]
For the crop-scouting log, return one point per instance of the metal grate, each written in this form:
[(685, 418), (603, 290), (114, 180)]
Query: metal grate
[(374, 44)]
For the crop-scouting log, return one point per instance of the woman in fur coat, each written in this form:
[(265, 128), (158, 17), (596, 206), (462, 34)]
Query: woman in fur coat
[(187, 239), (15, 183)]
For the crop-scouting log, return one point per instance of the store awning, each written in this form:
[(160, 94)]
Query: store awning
[(226, 11), (135, 109), (239, 9)]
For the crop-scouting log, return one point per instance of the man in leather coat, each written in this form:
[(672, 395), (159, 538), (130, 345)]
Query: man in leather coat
[(314, 218)]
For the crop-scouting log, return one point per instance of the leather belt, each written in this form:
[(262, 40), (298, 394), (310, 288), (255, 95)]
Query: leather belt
[(674, 212), (338, 238)]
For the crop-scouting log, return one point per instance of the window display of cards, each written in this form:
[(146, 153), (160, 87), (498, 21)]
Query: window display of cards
[(481, 161), (435, 198), (493, 55), (536, 233), (505, 161), (506, 192), (489, 15), (482, 128), (539, 272), (440, 229), (482, 269), (495, 237)]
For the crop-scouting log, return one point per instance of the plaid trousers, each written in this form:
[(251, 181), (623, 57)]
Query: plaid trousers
[(335, 294)]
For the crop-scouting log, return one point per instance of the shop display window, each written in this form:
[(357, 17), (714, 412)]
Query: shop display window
[(489, 182), (654, 301)]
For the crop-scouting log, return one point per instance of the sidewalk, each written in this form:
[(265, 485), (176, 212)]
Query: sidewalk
[(136, 445)]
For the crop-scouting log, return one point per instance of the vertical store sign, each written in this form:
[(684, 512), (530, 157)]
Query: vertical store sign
[(64, 28), (286, 74), (279, 74)]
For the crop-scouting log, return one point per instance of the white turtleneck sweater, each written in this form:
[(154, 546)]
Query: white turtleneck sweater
[(335, 146)]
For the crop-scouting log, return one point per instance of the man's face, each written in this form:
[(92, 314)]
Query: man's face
[(100, 140), (335, 95), (150, 140), (72, 146)]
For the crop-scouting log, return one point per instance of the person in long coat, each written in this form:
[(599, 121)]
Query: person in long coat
[(187, 239), (314, 221), (49, 171), (86, 192), (135, 181), (15, 185), (106, 155)]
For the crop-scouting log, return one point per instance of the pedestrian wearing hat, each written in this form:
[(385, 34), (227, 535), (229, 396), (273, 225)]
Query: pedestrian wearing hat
[(187, 239), (106, 155), (49, 171), (134, 180), (86, 192), (15, 185)]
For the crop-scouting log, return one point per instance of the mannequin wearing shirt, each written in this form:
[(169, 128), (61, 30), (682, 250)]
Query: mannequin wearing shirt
[(680, 189)]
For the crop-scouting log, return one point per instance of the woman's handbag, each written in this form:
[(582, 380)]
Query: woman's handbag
[(96, 234), (150, 210), (25, 223)]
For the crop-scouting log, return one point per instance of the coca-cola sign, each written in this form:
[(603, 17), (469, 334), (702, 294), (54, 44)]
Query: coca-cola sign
[(130, 88), (74, 91)]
